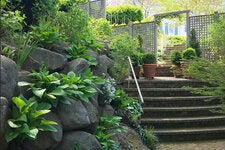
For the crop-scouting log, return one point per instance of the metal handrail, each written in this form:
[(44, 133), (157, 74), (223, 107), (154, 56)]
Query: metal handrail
[(135, 79)]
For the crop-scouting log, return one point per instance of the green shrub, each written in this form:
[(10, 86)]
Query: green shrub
[(216, 38), (176, 57), (126, 107), (108, 91), (107, 128), (136, 59), (189, 54), (121, 47), (193, 43), (79, 51), (149, 58), (45, 34), (26, 119), (6, 51), (124, 14), (175, 40), (102, 29)]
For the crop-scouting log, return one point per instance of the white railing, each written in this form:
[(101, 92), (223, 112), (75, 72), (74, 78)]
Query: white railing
[(135, 79)]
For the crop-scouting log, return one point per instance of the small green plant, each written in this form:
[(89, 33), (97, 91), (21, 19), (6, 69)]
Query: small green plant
[(8, 53), (176, 40), (136, 59), (176, 57), (127, 107), (80, 51), (54, 88), (148, 137), (149, 58), (189, 54), (45, 34), (108, 90), (24, 47), (106, 130), (27, 119)]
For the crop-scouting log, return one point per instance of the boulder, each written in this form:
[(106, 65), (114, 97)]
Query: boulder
[(46, 140), (77, 65), (73, 116), (4, 115), (104, 63), (8, 78), (54, 61), (23, 75), (60, 47), (106, 109), (81, 139), (93, 116)]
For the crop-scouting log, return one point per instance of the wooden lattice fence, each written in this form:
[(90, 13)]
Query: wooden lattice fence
[(200, 24)]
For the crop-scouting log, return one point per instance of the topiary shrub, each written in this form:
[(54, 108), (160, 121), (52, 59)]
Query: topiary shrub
[(189, 54), (176, 57), (124, 14), (193, 43), (149, 58)]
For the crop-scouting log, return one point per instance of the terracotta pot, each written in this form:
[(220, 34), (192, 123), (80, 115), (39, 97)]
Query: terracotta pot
[(149, 70), (177, 72), (136, 71)]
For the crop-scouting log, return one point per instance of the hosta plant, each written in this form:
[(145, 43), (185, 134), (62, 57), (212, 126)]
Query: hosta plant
[(27, 119)]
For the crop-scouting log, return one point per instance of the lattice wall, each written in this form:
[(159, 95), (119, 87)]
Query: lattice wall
[(146, 30), (201, 24), (95, 9)]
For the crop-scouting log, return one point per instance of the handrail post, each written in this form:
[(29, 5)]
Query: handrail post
[(135, 79)]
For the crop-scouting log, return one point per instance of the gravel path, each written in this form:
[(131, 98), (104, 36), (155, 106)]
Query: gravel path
[(206, 145)]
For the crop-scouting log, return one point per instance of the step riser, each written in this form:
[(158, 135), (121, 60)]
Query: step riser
[(191, 137), (163, 85), (179, 103), (172, 114), (160, 93), (177, 125)]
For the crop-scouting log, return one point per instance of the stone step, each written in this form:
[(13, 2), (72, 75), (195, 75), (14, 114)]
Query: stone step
[(164, 71), (159, 92), (179, 111), (179, 101), (190, 134), (181, 122), (159, 82)]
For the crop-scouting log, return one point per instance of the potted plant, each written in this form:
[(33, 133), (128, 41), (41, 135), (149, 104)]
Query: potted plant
[(149, 65), (188, 55), (136, 61), (176, 57)]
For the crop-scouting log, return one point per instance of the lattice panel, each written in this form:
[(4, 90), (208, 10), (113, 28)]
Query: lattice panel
[(96, 9), (201, 24), (146, 30), (117, 30)]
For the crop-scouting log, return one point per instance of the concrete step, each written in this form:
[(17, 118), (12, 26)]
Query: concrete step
[(164, 71), (179, 111), (190, 134), (179, 101), (159, 92), (160, 82), (184, 122)]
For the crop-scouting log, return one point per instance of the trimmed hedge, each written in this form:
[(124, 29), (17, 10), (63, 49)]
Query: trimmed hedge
[(124, 14)]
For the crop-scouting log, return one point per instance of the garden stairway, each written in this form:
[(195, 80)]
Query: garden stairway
[(175, 113)]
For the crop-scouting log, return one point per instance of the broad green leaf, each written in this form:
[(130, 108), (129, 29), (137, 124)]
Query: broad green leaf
[(99, 81), (48, 122), (11, 135), (50, 96), (58, 92), (26, 109), (90, 90), (64, 86), (23, 83), (12, 124), (39, 92), (33, 133), (47, 128), (22, 118), (39, 113), (64, 101), (19, 102), (43, 106)]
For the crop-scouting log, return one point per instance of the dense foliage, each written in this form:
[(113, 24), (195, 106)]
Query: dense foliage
[(193, 43), (176, 57), (108, 126), (124, 14), (175, 40), (149, 58), (189, 54)]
